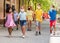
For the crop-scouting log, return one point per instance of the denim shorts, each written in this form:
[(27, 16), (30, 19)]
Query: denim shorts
[(22, 22)]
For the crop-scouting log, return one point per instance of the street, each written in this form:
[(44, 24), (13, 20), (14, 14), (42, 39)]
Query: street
[(45, 37)]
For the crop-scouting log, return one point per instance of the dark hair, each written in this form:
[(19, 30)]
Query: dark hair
[(13, 8), (39, 4), (7, 10), (53, 6), (30, 8)]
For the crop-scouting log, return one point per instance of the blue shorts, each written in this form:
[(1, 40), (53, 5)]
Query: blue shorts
[(22, 22), (37, 23), (16, 22)]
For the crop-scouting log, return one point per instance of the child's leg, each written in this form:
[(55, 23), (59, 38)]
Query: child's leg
[(50, 29), (54, 26), (10, 30), (29, 25), (23, 30), (17, 27), (23, 27), (54, 30), (16, 22), (37, 27), (51, 24)]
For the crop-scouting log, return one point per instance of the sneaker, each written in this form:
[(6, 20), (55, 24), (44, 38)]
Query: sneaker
[(17, 29), (54, 33), (23, 36), (51, 34), (36, 33), (39, 33)]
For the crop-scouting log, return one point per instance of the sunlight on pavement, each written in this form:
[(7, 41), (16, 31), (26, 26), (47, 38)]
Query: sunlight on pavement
[(54, 39)]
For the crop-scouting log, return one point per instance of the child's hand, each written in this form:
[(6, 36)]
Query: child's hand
[(27, 19), (17, 17)]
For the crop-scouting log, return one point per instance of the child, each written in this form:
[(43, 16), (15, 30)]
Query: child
[(10, 23), (22, 16), (16, 18), (52, 14), (29, 17), (45, 15), (38, 15)]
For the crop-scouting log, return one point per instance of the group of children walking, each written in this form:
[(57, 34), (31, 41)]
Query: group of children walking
[(27, 17)]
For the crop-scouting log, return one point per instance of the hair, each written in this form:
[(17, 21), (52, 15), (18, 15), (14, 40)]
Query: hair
[(22, 7), (53, 6), (7, 10), (39, 4), (30, 8)]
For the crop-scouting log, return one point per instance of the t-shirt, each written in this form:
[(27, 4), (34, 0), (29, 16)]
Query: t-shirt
[(15, 16), (29, 15), (22, 15), (38, 14), (52, 14)]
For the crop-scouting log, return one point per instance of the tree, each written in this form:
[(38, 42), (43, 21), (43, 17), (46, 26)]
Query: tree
[(45, 4)]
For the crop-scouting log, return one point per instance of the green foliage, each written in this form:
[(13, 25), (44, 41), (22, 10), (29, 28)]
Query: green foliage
[(45, 4), (58, 12)]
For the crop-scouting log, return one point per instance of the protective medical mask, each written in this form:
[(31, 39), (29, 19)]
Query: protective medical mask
[(22, 10)]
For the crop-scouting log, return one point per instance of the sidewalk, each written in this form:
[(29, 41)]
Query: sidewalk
[(30, 36)]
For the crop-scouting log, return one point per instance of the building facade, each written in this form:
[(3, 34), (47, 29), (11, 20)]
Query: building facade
[(13, 3), (4, 4)]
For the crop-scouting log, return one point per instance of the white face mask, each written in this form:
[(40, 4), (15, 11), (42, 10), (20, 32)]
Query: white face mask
[(52, 8), (22, 10), (38, 7)]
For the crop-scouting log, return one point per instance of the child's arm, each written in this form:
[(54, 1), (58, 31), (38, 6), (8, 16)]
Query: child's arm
[(18, 17), (34, 16), (49, 15), (5, 16)]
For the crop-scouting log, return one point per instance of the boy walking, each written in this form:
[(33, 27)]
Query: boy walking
[(38, 15), (52, 14)]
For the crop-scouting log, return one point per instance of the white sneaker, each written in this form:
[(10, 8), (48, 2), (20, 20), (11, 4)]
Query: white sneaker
[(23, 36), (54, 33), (51, 34)]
